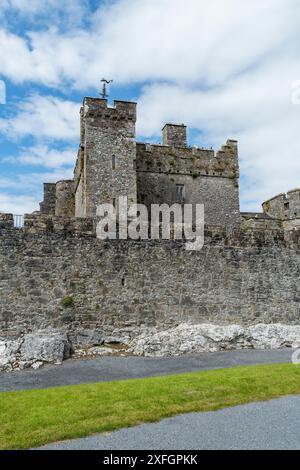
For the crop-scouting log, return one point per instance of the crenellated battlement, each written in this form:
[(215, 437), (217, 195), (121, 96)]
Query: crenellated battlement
[(98, 108), (191, 161)]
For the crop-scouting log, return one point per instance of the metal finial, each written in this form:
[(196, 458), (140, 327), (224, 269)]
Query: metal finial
[(104, 94)]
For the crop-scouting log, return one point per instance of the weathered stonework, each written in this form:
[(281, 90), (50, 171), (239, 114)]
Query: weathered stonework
[(208, 178), (248, 277), (49, 202), (65, 204), (111, 164), (284, 206), (105, 168), (174, 135), (55, 274)]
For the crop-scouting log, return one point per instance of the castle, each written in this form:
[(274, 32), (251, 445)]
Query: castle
[(110, 163), (247, 271)]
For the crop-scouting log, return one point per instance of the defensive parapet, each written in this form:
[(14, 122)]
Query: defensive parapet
[(189, 160), (259, 221), (51, 227), (40, 224), (98, 107), (284, 206)]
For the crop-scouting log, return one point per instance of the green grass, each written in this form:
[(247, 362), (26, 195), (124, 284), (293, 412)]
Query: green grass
[(34, 417)]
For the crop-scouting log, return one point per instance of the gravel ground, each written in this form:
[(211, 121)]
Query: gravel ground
[(267, 425), (118, 368)]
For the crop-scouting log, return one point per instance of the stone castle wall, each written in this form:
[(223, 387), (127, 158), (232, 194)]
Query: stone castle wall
[(249, 277), (208, 178), (284, 206)]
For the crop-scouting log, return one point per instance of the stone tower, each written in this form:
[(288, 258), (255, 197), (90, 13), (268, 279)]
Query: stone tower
[(110, 164), (284, 206), (105, 167)]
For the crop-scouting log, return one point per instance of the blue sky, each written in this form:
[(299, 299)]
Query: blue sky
[(227, 72)]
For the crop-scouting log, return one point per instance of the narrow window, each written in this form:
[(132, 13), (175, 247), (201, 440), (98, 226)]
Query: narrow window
[(114, 202), (113, 162), (179, 193)]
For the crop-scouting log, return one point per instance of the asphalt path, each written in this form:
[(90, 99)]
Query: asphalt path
[(105, 369)]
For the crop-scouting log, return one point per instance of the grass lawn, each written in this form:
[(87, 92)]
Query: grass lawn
[(34, 417)]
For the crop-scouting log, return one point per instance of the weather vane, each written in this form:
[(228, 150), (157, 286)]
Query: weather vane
[(104, 94)]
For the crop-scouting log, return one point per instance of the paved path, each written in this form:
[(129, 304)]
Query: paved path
[(119, 368), (268, 425)]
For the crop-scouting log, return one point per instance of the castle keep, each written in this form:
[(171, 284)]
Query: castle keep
[(110, 163), (247, 272)]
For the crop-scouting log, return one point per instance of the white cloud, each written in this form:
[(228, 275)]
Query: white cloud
[(34, 180), (42, 155), (224, 68), (17, 204), (44, 117), (255, 108), (134, 40), (21, 194)]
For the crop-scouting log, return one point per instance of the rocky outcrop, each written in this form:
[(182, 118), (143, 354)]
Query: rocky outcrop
[(34, 350), (53, 346), (274, 336), (190, 339), (46, 347), (9, 352)]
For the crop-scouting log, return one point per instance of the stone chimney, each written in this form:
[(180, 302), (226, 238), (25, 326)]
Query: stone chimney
[(175, 135)]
